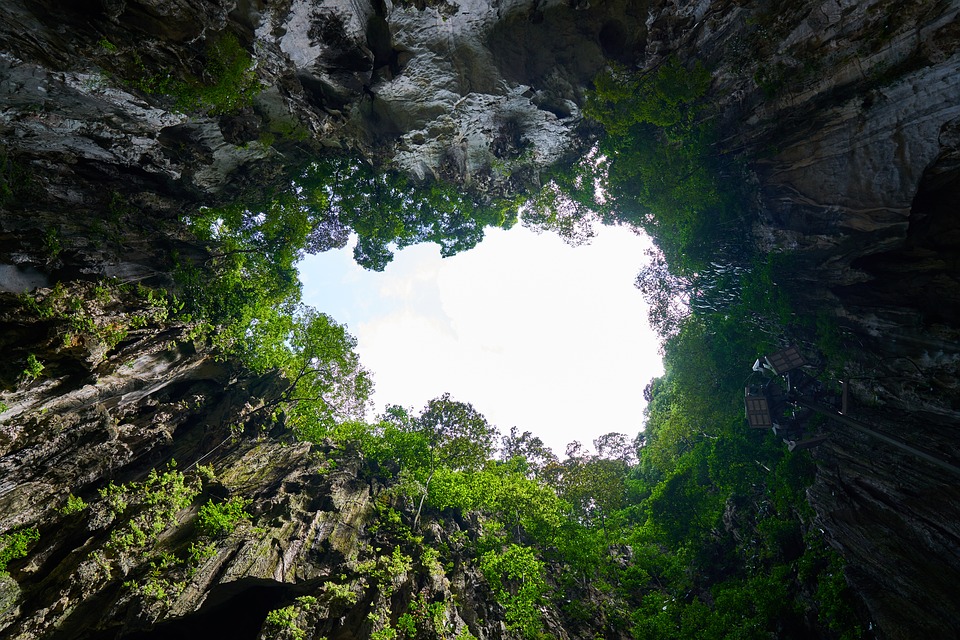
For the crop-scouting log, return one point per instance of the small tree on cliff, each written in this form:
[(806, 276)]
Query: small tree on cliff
[(325, 384), (457, 437)]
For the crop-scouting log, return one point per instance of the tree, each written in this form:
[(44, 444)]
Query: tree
[(616, 446), (247, 286), (387, 211), (571, 200), (325, 382), (535, 454), (664, 170), (673, 293), (594, 485), (457, 435), (516, 577)]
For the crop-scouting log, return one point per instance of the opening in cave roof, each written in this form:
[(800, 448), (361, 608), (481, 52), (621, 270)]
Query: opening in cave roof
[(536, 334)]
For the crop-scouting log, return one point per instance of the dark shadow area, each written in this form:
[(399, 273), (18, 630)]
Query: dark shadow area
[(923, 274), (380, 43), (541, 47), (613, 39), (236, 610)]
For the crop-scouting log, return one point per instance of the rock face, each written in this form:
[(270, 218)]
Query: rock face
[(99, 161), (893, 517), (849, 112), (448, 89), (852, 109)]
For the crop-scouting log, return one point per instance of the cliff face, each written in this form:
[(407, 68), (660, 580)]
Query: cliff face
[(853, 112), (99, 162), (855, 116), (850, 111), (441, 90)]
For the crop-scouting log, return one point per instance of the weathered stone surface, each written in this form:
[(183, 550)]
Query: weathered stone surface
[(853, 108), (440, 91), (126, 412), (892, 517)]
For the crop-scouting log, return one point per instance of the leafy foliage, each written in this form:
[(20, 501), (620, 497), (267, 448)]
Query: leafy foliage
[(226, 83), (15, 545), (571, 201), (385, 210), (248, 287), (456, 433), (75, 504), (659, 168), (217, 519), (518, 507), (657, 149), (326, 383), (285, 618), (145, 509), (34, 368), (253, 300), (516, 577), (527, 448), (694, 528)]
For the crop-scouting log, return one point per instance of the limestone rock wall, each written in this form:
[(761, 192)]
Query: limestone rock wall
[(438, 89), (849, 110)]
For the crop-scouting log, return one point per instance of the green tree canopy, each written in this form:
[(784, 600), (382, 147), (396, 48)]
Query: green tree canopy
[(457, 435), (327, 383), (530, 449), (387, 211)]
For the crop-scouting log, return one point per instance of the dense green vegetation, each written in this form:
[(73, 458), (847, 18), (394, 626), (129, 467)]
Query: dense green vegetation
[(226, 82), (15, 544), (220, 518), (696, 528), (685, 532), (722, 540), (387, 211), (250, 274)]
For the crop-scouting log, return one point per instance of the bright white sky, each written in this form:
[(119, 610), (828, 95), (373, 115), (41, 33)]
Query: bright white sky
[(534, 333)]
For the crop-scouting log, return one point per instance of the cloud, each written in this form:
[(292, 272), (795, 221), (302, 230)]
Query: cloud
[(534, 333)]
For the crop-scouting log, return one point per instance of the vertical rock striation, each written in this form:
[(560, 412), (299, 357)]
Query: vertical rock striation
[(851, 111)]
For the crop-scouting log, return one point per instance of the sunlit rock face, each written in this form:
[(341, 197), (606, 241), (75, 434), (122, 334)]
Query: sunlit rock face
[(483, 94), (479, 92), (317, 539)]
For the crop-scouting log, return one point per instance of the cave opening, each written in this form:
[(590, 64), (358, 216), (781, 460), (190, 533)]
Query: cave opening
[(527, 328), (934, 224), (379, 41), (235, 610)]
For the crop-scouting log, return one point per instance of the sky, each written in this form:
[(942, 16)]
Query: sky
[(534, 333)]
